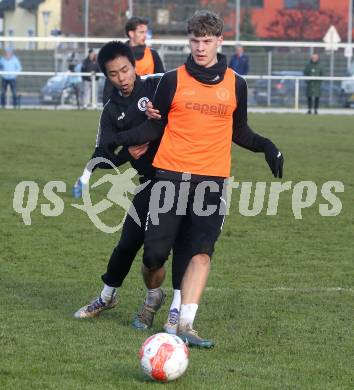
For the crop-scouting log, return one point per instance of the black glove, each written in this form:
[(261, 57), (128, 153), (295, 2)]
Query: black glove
[(274, 159)]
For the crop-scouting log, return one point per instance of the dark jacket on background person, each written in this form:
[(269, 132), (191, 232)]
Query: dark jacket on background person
[(314, 69), (89, 66), (240, 64)]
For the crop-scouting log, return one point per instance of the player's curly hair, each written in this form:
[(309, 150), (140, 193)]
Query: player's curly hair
[(112, 50), (204, 23)]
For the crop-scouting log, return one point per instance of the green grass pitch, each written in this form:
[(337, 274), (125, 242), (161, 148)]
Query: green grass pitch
[(280, 297)]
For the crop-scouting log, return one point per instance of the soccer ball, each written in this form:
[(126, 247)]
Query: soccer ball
[(164, 357)]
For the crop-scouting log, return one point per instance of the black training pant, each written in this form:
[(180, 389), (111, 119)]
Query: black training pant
[(316, 102), (132, 239), (202, 230)]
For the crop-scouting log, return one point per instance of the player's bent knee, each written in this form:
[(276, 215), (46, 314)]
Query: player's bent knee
[(152, 267), (154, 260), (153, 264), (155, 256)]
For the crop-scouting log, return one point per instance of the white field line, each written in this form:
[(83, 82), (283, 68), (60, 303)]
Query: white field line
[(284, 289), (311, 289)]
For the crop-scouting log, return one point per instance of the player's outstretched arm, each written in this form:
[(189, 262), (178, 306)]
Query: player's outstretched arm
[(246, 138), (150, 130), (117, 159)]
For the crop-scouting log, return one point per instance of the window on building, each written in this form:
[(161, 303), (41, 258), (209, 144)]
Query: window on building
[(247, 3), (80, 13), (31, 45), (10, 33), (310, 4), (256, 3)]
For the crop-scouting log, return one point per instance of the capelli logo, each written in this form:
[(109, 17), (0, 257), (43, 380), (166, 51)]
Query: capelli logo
[(208, 109)]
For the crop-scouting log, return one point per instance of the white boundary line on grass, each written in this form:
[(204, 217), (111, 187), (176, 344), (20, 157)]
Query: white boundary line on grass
[(288, 110), (311, 289), (284, 289)]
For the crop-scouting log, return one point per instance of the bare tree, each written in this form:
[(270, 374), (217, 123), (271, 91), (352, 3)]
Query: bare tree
[(107, 18), (304, 24)]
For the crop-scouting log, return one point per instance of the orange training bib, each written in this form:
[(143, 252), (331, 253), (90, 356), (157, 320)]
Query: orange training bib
[(198, 136), (146, 64)]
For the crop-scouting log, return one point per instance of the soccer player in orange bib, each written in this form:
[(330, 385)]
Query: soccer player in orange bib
[(203, 108), (147, 60)]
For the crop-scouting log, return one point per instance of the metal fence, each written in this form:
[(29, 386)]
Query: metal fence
[(275, 78), (285, 91)]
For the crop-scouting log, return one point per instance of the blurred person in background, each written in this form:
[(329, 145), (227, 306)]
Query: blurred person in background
[(239, 61), (9, 63), (313, 91), (147, 60), (75, 81), (89, 65)]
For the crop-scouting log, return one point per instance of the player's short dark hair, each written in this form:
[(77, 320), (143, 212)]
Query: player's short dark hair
[(204, 23), (133, 23), (111, 51)]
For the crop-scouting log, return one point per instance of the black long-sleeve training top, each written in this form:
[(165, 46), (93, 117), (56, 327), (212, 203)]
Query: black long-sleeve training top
[(121, 114)]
